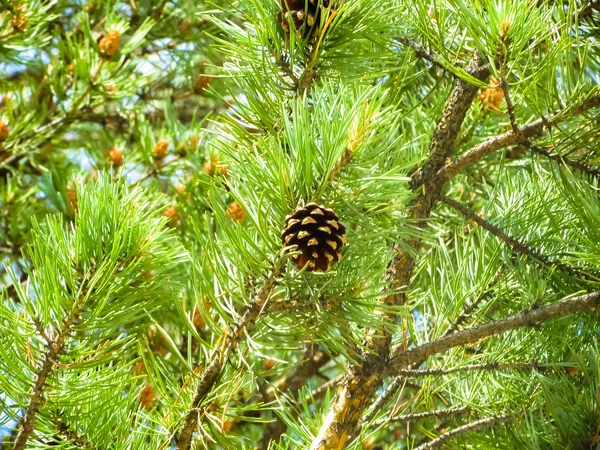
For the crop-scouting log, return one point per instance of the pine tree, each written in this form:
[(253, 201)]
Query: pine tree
[(316, 224)]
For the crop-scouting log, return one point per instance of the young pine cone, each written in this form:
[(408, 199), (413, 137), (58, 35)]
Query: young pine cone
[(304, 14), (317, 233)]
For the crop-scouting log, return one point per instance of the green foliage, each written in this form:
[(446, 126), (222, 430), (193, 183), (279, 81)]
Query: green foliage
[(144, 266)]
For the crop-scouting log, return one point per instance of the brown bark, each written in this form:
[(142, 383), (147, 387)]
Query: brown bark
[(55, 347), (403, 358)]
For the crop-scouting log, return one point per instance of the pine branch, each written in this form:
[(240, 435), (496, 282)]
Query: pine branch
[(400, 380), (472, 306), (465, 429), (382, 400), (54, 349), (312, 361), (437, 413), (513, 243), (361, 382), (70, 434), (422, 52), (211, 373), (528, 132), (562, 160), (403, 358), (486, 367)]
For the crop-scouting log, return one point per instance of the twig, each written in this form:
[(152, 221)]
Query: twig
[(403, 358), (400, 380), (422, 52), (70, 434), (532, 131), (486, 367), (382, 400), (561, 160), (465, 429), (438, 413), (312, 361), (513, 243), (470, 307), (210, 375), (55, 347)]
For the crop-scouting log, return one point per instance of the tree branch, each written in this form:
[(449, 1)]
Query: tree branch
[(70, 434), (532, 131), (210, 375), (438, 413), (513, 243), (362, 381), (422, 52), (312, 361), (561, 160), (382, 400), (487, 367), (465, 429), (403, 358), (55, 347)]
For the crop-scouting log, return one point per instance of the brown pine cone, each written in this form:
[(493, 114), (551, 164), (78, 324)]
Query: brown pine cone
[(304, 15), (315, 232)]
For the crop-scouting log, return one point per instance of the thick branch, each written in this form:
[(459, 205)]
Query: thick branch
[(361, 382), (403, 358), (438, 413), (532, 131), (513, 243), (465, 429), (210, 375)]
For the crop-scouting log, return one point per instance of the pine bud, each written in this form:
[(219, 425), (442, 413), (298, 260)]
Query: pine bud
[(159, 151), (116, 157), (172, 214), (72, 197), (269, 364), (235, 212), (226, 426), (109, 44), (184, 27), (19, 21), (147, 397), (139, 368), (492, 98), (3, 131), (201, 83), (198, 320)]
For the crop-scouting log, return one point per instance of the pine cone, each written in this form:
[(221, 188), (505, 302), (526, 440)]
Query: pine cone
[(317, 233), (302, 18)]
